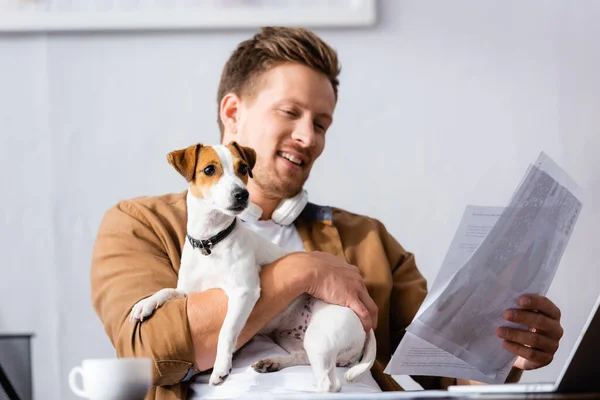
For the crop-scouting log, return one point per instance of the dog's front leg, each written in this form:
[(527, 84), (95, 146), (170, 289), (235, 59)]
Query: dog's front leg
[(145, 307), (241, 301), (267, 252)]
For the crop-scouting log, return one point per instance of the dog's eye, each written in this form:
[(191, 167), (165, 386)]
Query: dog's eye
[(210, 170), (243, 169)]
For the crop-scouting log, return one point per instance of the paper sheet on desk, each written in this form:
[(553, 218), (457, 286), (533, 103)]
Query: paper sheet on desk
[(519, 253)]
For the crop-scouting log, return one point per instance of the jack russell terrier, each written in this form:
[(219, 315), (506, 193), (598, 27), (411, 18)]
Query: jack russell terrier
[(221, 253)]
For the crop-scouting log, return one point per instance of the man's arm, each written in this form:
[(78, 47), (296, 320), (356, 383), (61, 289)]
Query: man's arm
[(131, 260)]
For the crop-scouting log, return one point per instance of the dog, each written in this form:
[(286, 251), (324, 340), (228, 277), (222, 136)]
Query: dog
[(221, 252)]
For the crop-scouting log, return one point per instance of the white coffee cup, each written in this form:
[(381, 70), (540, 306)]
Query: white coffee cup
[(113, 378)]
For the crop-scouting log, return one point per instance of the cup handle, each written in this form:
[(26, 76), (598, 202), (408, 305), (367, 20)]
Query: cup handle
[(73, 381)]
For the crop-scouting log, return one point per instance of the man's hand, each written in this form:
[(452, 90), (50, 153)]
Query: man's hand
[(337, 282), (537, 346)]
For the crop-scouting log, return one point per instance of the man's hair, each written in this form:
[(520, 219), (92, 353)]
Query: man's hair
[(270, 47)]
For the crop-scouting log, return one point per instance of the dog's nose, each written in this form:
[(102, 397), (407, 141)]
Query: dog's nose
[(241, 194)]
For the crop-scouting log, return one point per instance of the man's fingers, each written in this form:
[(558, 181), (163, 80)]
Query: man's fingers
[(541, 304), (550, 327), (363, 313), (371, 307), (534, 340), (537, 357)]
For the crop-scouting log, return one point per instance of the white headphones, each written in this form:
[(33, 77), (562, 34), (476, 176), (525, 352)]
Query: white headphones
[(286, 212)]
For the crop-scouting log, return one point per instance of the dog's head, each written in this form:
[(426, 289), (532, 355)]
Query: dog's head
[(218, 174)]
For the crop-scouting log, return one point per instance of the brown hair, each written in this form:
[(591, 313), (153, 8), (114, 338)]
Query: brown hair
[(268, 48)]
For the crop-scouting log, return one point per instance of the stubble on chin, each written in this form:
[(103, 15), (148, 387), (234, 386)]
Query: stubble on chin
[(277, 186)]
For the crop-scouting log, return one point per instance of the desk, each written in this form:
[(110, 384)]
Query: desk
[(15, 367), (432, 395), (528, 396)]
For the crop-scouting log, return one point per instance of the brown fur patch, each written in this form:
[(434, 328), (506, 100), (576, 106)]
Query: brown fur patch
[(242, 155), (202, 183)]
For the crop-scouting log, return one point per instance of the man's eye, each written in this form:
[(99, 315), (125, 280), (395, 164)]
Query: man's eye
[(243, 168), (210, 170), (288, 112), (319, 127)]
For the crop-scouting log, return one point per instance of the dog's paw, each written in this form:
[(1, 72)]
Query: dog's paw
[(266, 365), (220, 373), (144, 308), (217, 377), (326, 385)]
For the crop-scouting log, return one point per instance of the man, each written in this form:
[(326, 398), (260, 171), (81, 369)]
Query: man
[(277, 95)]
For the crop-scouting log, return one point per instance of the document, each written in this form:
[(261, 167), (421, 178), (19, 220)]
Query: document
[(497, 255)]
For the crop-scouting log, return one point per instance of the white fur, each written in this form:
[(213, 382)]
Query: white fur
[(334, 334), (334, 337)]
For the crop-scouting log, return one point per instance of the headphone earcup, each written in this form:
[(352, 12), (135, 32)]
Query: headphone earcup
[(289, 209)]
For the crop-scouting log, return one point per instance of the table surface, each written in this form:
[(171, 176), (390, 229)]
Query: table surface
[(422, 394), (430, 395)]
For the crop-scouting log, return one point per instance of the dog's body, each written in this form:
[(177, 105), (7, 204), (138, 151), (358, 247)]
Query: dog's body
[(323, 335), (311, 331)]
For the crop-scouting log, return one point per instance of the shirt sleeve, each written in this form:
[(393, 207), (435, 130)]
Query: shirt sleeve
[(129, 263)]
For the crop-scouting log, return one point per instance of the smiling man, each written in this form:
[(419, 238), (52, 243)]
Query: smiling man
[(277, 94)]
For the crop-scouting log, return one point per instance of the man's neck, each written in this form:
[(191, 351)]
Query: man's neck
[(267, 203)]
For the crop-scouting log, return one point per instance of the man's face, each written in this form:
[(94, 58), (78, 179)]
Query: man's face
[(285, 123)]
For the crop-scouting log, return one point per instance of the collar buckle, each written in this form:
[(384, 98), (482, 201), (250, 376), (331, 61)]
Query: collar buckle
[(205, 247)]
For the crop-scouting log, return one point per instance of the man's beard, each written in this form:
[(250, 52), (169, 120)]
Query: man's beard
[(268, 181)]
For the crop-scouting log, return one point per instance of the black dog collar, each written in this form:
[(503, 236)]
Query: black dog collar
[(205, 246)]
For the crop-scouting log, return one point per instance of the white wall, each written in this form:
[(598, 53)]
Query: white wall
[(449, 101), (28, 288)]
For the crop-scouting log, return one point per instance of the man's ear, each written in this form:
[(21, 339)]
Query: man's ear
[(184, 161), (228, 112), (248, 155)]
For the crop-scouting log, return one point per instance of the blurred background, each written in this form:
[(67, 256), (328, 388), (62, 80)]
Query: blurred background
[(442, 104)]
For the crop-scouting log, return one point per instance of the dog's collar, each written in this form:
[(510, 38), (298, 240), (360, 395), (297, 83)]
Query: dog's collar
[(205, 246)]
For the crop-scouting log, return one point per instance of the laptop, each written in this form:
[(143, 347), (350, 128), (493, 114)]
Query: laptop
[(579, 375)]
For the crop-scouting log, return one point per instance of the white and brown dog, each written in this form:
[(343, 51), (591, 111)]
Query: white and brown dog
[(221, 253)]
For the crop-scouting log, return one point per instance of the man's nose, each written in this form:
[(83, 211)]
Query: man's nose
[(305, 134)]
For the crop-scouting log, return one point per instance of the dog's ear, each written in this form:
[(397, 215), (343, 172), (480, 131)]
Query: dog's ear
[(184, 161), (248, 155)]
